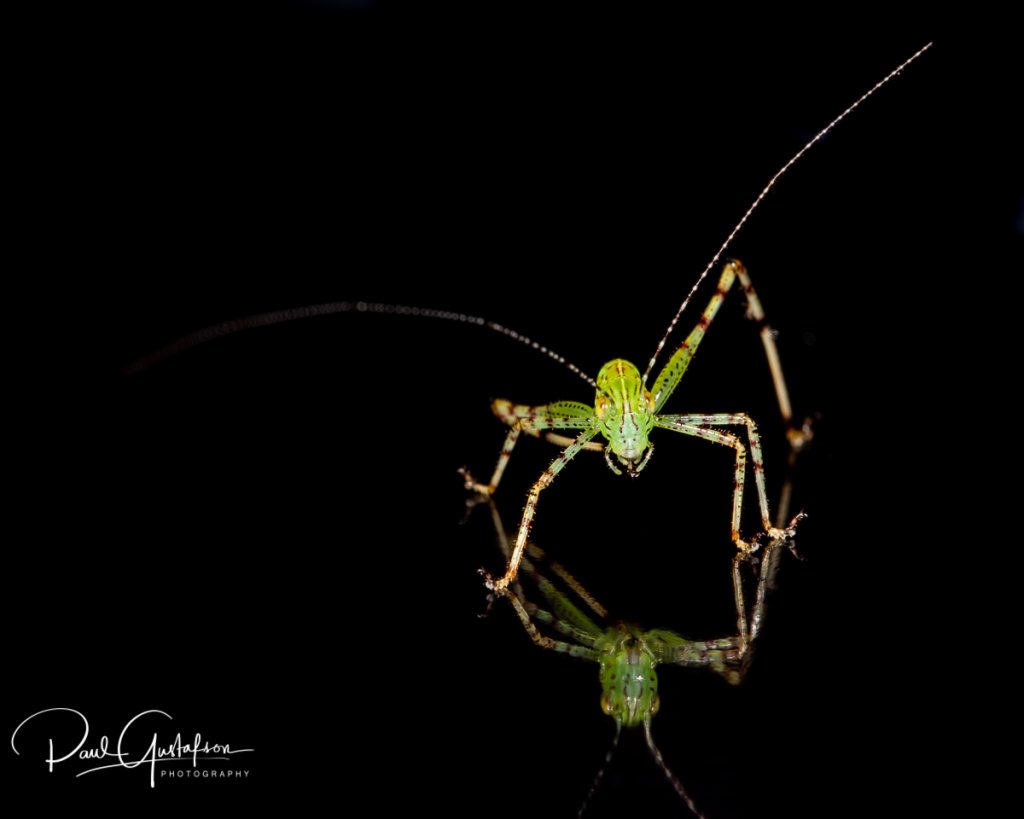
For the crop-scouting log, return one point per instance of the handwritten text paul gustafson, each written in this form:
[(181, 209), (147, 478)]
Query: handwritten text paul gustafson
[(138, 744)]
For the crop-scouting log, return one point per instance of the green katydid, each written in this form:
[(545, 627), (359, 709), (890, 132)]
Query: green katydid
[(625, 410)]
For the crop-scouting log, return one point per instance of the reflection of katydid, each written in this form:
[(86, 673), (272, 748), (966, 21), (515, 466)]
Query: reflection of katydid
[(625, 410), (626, 654)]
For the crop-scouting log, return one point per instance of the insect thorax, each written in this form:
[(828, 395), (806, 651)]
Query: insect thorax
[(625, 411), (629, 683)]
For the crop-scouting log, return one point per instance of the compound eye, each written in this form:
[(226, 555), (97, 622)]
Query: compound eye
[(601, 406), (605, 705), (650, 400), (655, 704)]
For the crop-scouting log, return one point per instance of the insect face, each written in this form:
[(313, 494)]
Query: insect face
[(625, 413)]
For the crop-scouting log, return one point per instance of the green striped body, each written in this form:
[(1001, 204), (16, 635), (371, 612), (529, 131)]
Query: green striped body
[(625, 413), (629, 683)]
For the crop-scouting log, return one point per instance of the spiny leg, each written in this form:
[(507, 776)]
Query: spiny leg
[(798, 436), (739, 473), (749, 624), (696, 425), (487, 489), (559, 415), (530, 510), (672, 778), (669, 377), (766, 577), (564, 441), (532, 420), (742, 623), (561, 646)]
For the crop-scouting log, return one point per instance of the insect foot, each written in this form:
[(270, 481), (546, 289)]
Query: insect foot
[(489, 583), (787, 536), (801, 436), (482, 490), (490, 600), (791, 535), (477, 493)]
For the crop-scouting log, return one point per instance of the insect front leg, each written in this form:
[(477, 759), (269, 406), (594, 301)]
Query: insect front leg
[(530, 510), (487, 489), (697, 426)]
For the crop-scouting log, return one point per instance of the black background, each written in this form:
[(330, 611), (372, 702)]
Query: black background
[(261, 536)]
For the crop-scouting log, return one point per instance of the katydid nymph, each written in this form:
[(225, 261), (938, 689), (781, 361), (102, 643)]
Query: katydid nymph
[(626, 410), (628, 404)]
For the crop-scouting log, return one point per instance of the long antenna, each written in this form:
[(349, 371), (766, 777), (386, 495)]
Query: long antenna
[(294, 314), (600, 772), (763, 193), (672, 778)]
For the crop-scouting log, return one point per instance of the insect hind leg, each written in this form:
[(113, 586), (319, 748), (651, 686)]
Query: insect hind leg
[(798, 435)]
